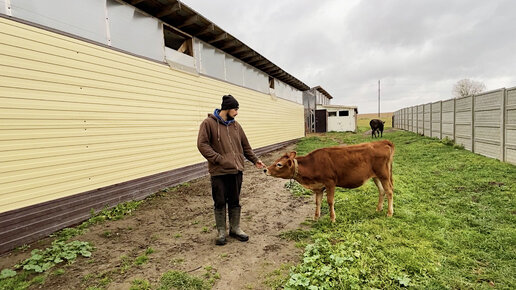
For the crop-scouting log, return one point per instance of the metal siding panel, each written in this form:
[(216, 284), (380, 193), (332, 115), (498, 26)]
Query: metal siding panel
[(90, 117)]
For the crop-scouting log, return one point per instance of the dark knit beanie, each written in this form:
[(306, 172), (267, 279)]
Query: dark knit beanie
[(229, 102)]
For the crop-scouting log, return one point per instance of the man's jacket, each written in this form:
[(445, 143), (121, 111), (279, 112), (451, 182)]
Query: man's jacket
[(224, 145)]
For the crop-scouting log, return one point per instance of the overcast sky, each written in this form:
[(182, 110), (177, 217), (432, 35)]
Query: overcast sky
[(418, 49)]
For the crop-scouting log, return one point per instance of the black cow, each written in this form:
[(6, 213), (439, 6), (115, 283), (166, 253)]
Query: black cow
[(376, 127)]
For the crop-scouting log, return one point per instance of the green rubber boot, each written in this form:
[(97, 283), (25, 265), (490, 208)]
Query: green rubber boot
[(220, 221), (234, 225)]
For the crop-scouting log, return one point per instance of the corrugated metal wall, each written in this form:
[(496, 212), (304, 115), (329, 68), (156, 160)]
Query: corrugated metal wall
[(484, 123), (75, 116)]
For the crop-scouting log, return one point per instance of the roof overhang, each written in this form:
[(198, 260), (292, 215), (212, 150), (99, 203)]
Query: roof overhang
[(187, 20), (322, 91)]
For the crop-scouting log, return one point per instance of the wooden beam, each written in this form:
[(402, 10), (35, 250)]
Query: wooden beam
[(240, 50), (261, 62), (247, 55), (220, 37), (229, 44), (269, 65), (208, 29), (189, 20), (169, 10), (134, 2)]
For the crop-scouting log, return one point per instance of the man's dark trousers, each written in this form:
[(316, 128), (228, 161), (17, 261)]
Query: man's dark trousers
[(226, 189)]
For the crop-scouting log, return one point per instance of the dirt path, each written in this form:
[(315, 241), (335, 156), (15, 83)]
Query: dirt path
[(179, 227)]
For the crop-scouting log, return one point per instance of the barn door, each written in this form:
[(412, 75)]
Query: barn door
[(321, 121)]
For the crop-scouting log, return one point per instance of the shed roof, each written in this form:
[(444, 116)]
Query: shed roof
[(322, 91), (178, 15)]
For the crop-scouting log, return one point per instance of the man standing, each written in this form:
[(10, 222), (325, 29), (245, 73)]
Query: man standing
[(223, 143)]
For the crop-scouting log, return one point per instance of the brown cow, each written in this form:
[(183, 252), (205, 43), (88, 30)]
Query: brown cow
[(342, 166)]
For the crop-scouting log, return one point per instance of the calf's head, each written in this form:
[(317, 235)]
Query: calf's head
[(284, 167)]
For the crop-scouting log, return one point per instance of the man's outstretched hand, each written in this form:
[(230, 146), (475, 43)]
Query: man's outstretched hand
[(260, 165)]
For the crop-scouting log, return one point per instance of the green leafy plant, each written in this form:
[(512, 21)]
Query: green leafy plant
[(297, 189), (42, 260)]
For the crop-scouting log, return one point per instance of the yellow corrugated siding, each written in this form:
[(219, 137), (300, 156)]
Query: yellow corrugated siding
[(75, 116)]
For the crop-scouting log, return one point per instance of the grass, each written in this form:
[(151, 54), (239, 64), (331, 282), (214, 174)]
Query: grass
[(453, 224), (181, 280)]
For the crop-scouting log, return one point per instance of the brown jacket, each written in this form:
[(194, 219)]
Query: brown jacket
[(224, 146)]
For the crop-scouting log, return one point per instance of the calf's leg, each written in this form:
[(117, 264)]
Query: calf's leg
[(387, 185), (330, 197), (381, 193), (318, 200)]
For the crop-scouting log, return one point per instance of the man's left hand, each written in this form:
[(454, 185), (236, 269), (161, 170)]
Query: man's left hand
[(260, 165)]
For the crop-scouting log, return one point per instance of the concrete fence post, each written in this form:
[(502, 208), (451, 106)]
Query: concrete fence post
[(454, 118), (473, 123), (502, 125), (440, 119), (431, 120)]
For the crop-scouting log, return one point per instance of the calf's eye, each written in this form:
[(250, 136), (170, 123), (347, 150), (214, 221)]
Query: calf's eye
[(279, 165)]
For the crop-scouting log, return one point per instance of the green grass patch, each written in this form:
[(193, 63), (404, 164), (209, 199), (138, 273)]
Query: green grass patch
[(181, 280), (140, 284), (453, 224)]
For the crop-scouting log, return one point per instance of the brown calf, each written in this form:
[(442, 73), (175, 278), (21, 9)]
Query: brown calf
[(342, 166)]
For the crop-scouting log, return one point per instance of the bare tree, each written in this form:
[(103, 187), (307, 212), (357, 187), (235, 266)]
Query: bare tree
[(467, 87)]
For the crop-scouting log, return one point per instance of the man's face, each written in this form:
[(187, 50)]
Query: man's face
[(232, 113)]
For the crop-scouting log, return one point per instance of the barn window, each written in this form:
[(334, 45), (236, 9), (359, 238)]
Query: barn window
[(332, 114), (343, 113), (178, 41)]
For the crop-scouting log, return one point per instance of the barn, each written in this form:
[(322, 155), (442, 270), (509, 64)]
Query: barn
[(101, 103)]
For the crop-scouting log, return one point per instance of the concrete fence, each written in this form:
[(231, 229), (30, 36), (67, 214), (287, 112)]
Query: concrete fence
[(484, 123)]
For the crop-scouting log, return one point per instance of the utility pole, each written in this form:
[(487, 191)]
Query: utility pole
[(378, 99)]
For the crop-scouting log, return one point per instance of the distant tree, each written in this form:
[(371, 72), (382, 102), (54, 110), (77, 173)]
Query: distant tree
[(467, 87)]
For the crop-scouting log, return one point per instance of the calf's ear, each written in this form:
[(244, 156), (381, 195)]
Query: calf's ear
[(292, 155)]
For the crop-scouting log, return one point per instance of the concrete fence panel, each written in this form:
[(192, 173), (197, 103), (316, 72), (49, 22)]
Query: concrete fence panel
[(487, 126), (420, 119), (448, 119), (427, 120), (436, 119), (463, 122)]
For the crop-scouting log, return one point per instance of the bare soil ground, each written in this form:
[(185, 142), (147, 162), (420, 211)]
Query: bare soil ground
[(179, 226)]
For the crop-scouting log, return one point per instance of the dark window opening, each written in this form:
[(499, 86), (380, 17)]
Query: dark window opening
[(343, 113), (178, 41), (271, 82), (332, 114)]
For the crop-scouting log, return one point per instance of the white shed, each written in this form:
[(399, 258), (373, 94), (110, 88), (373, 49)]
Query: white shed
[(341, 118)]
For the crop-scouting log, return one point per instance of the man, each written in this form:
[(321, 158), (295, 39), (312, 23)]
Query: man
[(223, 143)]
